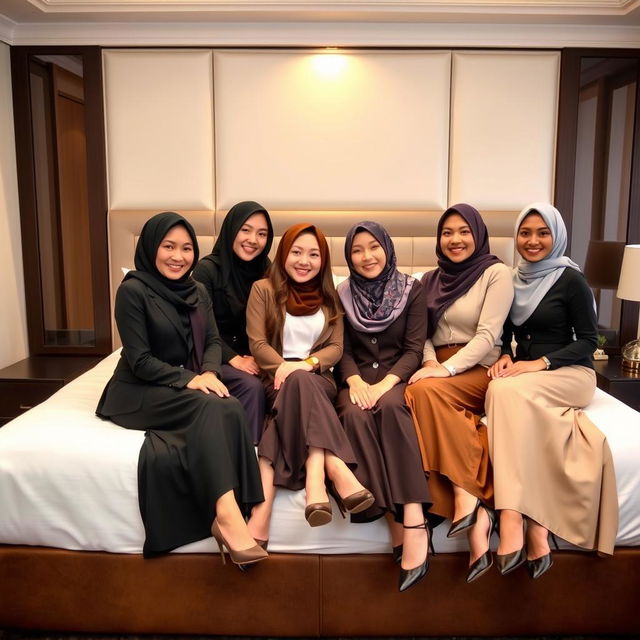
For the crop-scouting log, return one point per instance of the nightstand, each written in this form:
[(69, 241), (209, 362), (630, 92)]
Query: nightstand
[(611, 377), (31, 381)]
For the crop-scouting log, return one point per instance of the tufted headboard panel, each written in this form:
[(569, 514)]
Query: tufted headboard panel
[(413, 233)]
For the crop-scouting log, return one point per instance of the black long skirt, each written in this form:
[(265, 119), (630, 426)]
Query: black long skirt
[(250, 391), (197, 448), (301, 415), (386, 447)]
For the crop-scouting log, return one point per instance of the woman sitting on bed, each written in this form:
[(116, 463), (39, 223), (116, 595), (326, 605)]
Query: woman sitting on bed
[(238, 259), (197, 471), (294, 324), (467, 297), (384, 335), (552, 466)]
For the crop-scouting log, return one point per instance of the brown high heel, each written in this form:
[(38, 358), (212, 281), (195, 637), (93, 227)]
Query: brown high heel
[(355, 503), (262, 543), (318, 513), (244, 556)]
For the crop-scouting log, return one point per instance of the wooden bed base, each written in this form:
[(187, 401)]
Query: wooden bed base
[(312, 595)]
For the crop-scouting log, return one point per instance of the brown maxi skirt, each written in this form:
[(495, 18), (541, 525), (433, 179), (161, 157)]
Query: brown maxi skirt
[(302, 416), (550, 462), (453, 442), (385, 445)]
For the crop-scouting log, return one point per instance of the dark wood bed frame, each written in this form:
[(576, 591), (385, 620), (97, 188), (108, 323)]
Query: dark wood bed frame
[(312, 595)]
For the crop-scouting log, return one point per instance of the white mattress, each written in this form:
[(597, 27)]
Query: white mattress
[(69, 480)]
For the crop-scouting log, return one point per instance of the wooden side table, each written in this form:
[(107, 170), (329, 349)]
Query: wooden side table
[(31, 381), (612, 378)]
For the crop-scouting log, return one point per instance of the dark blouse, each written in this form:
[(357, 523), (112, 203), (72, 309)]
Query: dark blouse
[(397, 350), (567, 308), (231, 326)]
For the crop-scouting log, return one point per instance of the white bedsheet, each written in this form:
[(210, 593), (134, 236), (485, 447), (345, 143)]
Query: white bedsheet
[(69, 480)]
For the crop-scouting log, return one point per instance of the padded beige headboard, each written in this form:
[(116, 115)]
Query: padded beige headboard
[(413, 233)]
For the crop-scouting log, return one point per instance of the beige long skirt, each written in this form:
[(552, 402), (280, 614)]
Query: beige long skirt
[(550, 462)]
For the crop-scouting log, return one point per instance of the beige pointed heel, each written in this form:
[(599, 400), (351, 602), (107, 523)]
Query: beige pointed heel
[(242, 557)]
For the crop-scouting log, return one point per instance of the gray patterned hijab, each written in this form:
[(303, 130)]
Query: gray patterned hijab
[(532, 280), (372, 304)]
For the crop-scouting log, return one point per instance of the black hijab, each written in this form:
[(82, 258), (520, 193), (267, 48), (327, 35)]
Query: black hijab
[(182, 293), (234, 275), (451, 280)]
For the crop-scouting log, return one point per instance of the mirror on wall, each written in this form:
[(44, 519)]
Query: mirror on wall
[(60, 152), (597, 187), (604, 155), (60, 163)]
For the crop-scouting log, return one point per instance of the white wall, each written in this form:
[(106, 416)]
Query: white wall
[(13, 333)]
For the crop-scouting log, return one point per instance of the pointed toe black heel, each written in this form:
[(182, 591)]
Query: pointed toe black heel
[(396, 553), (538, 567), (485, 561), (511, 561), (410, 577), (465, 523)]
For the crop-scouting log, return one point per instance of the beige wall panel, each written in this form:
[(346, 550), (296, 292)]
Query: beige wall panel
[(13, 335), (503, 128), (159, 121), (355, 130)]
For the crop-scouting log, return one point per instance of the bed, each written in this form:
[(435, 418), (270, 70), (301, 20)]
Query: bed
[(71, 539)]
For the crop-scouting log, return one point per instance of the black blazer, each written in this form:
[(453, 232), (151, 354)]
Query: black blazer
[(396, 350), (154, 347), (563, 327)]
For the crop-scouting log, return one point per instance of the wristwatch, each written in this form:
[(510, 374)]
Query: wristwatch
[(313, 361), (546, 361)]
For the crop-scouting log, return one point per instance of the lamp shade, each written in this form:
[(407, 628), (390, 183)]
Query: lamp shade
[(602, 266), (629, 285)]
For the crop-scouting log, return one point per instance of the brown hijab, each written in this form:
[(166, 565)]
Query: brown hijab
[(304, 298)]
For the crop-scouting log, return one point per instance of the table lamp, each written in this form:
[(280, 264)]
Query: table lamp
[(629, 289)]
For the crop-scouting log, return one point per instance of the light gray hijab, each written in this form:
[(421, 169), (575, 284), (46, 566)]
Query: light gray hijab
[(532, 280)]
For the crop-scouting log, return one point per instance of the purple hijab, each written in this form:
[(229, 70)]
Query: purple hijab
[(451, 280), (372, 304)]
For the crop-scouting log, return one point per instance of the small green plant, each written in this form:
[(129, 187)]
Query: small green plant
[(601, 341)]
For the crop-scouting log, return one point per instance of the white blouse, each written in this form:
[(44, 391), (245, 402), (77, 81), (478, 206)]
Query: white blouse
[(300, 334)]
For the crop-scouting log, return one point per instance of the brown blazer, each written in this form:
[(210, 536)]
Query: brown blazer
[(396, 350), (268, 355)]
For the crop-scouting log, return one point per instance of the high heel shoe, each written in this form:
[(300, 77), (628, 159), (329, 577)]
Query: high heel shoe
[(262, 543), (410, 577), (396, 553), (464, 523), (242, 557), (355, 503), (539, 566), (511, 561), (485, 561), (318, 513)]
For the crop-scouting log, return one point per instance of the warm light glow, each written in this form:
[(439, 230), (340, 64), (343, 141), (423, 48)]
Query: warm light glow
[(329, 65)]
